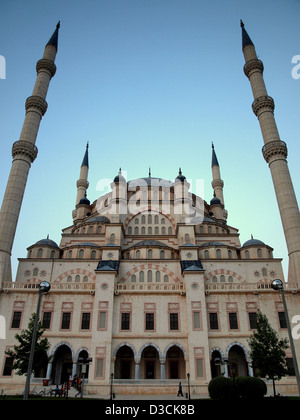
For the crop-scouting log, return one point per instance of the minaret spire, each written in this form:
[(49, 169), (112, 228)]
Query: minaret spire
[(275, 154), (217, 182), (82, 183), (24, 153)]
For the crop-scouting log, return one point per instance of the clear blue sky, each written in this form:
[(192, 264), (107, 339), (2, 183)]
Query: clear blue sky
[(149, 83)]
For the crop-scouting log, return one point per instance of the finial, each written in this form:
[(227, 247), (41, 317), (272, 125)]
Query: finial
[(87, 145), (180, 173), (48, 236), (149, 172), (242, 23), (58, 24), (251, 236), (212, 145)]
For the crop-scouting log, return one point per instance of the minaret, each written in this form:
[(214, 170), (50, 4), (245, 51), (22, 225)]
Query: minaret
[(24, 153), (275, 154), (82, 183), (217, 182)]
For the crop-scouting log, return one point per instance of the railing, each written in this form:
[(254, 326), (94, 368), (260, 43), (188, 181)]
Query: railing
[(255, 287), (150, 287), (27, 286)]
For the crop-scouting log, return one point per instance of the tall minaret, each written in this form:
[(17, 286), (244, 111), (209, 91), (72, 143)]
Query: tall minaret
[(275, 154), (82, 183), (24, 153), (217, 182)]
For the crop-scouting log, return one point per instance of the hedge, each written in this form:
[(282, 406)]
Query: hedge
[(221, 388)]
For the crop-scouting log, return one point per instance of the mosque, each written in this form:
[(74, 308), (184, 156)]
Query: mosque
[(149, 284)]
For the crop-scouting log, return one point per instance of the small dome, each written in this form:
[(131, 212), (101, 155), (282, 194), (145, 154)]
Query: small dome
[(47, 242), (119, 177), (215, 200), (84, 201), (180, 177), (253, 242)]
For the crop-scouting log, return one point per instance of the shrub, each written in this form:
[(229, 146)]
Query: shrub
[(221, 388), (249, 387)]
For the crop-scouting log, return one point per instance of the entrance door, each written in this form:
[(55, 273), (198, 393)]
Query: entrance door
[(150, 369), (174, 374)]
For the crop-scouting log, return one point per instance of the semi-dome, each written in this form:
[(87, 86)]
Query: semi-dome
[(47, 242), (254, 242)]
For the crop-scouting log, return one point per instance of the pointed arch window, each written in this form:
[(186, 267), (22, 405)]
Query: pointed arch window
[(81, 253), (149, 276), (149, 253), (141, 277), (157, 276), (40, 253)]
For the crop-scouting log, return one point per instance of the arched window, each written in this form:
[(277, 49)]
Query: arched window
[(209, 229), (259, 253), (112, 238), (264, 272), (85, 279), (156, 230), (136, 221), (91, 229), (149, 230), (69, 279), (99, 229), (157, 276), (143, 218), (149, 253), (83, 230), (130, 230), (77, 278), (162, 221), (170, 230), (40, 253), (81, 253), (143, 230), (163, 230), (149, 276), (206, 254), (141, 277), (247, 254), (166, 279), (229, 254), (52, 254), (149, 218), (35, 272), (133, 278), (218, 253), (70, 254), (156, 218), (214, 279), (222, 278), (162, 255), (138, 254), (187, 237), (201, 229), (230, 279), (136, 230), (93, 255)]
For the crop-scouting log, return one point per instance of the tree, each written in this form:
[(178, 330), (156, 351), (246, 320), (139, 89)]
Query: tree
[(268, 351), (20, 353)]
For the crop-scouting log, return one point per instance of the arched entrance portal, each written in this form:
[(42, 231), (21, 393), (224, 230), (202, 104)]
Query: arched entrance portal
[(237, 363), (150, 364), (175, 364), (62, 365), (124, 363)]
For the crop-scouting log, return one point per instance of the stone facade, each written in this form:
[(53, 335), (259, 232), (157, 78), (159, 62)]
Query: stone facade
[(151, 296)]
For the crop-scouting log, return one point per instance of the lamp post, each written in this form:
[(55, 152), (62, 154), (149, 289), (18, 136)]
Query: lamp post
[(189, 390), (111, 385), (44, 287), (277, 284), (83, 361)]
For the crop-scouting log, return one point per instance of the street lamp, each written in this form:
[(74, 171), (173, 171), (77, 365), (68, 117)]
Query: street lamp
[(111, 385), (83, 361), (277, 284), (189, 390), (44, 287)]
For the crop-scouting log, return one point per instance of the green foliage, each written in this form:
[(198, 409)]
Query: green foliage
[(249, 387), (20, 353), (221, 388), (267, 350)]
